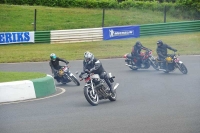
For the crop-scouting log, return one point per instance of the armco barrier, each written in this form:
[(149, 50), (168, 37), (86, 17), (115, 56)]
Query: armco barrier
[(96, 34), (42, 37), (76, 35), (27, 89), (169, 28)]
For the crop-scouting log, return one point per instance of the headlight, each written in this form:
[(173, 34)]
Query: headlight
[(85, 75)]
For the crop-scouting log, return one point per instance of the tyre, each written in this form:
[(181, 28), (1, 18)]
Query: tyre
[(166, 71), (131, 64), (75, 80), (64, 83), (93, 99), (147, 65), (133, 68), (113, 97), (154, 64), (183, 68)]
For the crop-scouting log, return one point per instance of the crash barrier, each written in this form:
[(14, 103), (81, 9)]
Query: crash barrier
[(27, 89), (169, 28), (96, 34), (42, 37), (77, 35), (121, 32)]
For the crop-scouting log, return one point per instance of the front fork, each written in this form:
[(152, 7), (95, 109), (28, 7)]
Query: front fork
[(92, 87), (178, 64)]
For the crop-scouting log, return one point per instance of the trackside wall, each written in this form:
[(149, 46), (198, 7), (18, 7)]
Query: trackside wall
[(44, 86), (27, 89)]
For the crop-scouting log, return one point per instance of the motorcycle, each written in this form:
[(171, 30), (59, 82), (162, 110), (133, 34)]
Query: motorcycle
[(172, 62), (97, 89), (147, 60), (65, 76)]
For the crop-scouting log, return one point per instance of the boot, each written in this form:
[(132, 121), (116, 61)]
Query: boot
[(57, 79), (112, 89), (110, 86), (161, 65)]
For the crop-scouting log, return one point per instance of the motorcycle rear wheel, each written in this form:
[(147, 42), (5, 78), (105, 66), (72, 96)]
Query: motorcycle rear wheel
[(166, 71), (113, 97), (133, 68), (93, 99), (155, 65)]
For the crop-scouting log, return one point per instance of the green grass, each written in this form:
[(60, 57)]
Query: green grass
[(187, 44), (20, 18), (16, 76)]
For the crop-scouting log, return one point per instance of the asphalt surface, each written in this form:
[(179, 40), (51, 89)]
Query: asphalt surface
[(148, 101)]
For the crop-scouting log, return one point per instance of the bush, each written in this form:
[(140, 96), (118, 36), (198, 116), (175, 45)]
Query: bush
[(177, 8)]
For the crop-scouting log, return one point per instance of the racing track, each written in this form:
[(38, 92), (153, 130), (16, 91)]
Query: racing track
[(149, 101)]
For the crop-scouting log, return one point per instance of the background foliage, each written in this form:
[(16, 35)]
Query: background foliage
[(180, 5)]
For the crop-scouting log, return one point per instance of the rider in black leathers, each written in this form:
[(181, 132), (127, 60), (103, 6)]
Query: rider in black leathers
[(136, 52), (162, 52), (93, 65), (54, 64)]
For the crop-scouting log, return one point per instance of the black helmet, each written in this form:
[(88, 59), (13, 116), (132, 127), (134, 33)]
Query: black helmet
[(138, 44), (159, 43)]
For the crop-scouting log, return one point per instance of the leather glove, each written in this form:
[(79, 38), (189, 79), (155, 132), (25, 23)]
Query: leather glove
[(80, 75), (57, 71), (86, 70), (175, 50), (91, 70)]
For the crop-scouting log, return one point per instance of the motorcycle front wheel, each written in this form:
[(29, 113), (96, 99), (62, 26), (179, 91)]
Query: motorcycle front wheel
[(154, 64), (93, 99), (183, 68), (74, 79)]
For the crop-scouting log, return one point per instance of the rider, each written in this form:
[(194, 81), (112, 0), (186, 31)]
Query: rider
[(92, 64), (162, 52), (136, 52), (54, 64)]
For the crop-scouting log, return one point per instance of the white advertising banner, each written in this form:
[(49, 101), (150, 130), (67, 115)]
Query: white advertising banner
[(17, 37)]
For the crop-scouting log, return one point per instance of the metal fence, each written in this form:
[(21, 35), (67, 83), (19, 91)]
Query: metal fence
[(95, 34), (34, 18), (169, 28)]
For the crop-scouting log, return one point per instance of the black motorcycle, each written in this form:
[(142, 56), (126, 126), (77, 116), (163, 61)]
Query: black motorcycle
[(96, 88), (171, 63), (65, 76)]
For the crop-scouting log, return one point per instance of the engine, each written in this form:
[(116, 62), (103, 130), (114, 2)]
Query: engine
[(171, 66), (102, 89)]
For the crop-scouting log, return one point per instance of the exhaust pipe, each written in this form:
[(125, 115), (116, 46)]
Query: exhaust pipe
[(116, 85), (128, 65), (131, 66)]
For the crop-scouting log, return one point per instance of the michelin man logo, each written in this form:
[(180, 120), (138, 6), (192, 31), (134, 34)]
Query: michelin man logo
[(120, 33)]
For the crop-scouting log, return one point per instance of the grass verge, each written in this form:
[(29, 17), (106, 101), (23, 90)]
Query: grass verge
[(186, 44), (16, 76)]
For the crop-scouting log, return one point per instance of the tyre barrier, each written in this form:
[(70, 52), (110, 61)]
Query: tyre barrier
[(27, 89)]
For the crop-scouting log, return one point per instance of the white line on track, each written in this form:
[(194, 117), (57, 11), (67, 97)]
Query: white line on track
[(62, 91)]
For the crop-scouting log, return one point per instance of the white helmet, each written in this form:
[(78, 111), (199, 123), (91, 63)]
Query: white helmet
[(88, 57)]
